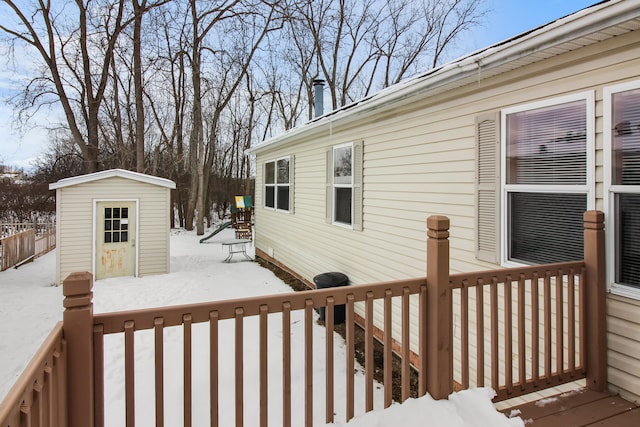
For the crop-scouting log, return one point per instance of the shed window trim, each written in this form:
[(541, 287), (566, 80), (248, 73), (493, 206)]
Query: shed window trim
[(541, 170), (621, 122), (278, 184)]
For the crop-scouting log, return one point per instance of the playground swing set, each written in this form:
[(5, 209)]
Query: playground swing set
[(241, 210)]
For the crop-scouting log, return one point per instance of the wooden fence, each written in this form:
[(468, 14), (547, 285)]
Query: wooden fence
[(45, 239), (22, 242), (548, 338), (10, 228)]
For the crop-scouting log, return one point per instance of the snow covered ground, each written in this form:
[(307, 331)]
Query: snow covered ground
[(30, 306)]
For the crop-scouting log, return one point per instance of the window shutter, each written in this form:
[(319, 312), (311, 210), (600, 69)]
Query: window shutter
[(329, 188), (292, 188), (488, 188), (357, 185)]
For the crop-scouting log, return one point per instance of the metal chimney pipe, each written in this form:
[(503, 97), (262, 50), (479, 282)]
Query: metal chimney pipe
[(318, 86)]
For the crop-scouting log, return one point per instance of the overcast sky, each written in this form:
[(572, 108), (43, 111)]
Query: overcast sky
[(506, 18)]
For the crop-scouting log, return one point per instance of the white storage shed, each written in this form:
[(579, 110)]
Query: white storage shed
[(112, 223)]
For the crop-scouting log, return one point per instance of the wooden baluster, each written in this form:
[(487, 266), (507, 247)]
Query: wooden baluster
[(388, 355), (308, 362), (286, 364), (329, 374), (368, 352), (239, 365), (129, 373), (264, 365), (158, 324), (406, 350)]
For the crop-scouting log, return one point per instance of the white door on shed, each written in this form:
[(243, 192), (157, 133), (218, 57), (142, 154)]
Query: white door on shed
[(115, 239)]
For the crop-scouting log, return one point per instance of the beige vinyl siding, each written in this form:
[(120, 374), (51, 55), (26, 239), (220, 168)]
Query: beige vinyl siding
[(153, 228), (623, 343), (420, 160), (76, 225), (75, 233)]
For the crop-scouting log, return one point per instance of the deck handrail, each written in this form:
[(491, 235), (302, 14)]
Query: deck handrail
[(38, 396)]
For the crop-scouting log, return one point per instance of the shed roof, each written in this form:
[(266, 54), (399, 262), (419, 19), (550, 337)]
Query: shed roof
[(591, 25), (135, 176)]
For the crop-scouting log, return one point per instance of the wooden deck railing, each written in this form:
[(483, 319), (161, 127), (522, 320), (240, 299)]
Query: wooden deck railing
[(538, 316), (531, 320), (543, 326), (38, 398), (240, 312)]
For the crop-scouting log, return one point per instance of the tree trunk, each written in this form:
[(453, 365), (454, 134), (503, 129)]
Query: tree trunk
[(138, 9)]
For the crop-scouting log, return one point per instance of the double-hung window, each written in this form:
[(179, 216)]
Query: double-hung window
[(622, 179), (546, 179), (344, 185), (277, 184)]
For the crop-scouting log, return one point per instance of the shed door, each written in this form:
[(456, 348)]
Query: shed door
[(115, 239)]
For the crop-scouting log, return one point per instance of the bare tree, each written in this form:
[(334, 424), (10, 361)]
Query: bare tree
[(202, 22), (363, 46), (403, 50), (240, 27), (140, 8), (76, 46), (186, 95)]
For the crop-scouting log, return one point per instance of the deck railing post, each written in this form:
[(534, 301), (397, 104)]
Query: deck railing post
[(595, 300), (439, 310), (78, 333)]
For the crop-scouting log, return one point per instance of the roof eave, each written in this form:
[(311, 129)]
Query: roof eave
[(122, 173)]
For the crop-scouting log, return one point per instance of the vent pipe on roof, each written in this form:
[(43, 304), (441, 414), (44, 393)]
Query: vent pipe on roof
[(318, 86)]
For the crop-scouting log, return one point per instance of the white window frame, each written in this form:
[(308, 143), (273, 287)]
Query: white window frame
[(588, 188), (349, 185), (276, 184), (611, 190)]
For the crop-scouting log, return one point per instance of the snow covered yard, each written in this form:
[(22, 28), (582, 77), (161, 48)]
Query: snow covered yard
[(31, 306)]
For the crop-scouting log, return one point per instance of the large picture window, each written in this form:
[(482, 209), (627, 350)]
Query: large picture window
[(546, 184), (277, 184), (622, 147)]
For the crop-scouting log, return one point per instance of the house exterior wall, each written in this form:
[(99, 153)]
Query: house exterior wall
[(420, 160), (75, 227), (623, 350)]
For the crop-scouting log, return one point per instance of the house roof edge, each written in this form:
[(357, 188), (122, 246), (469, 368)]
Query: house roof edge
[(582, 22)]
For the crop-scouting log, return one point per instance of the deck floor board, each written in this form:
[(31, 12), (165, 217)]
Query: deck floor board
[(580, 407), (628, 419)]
